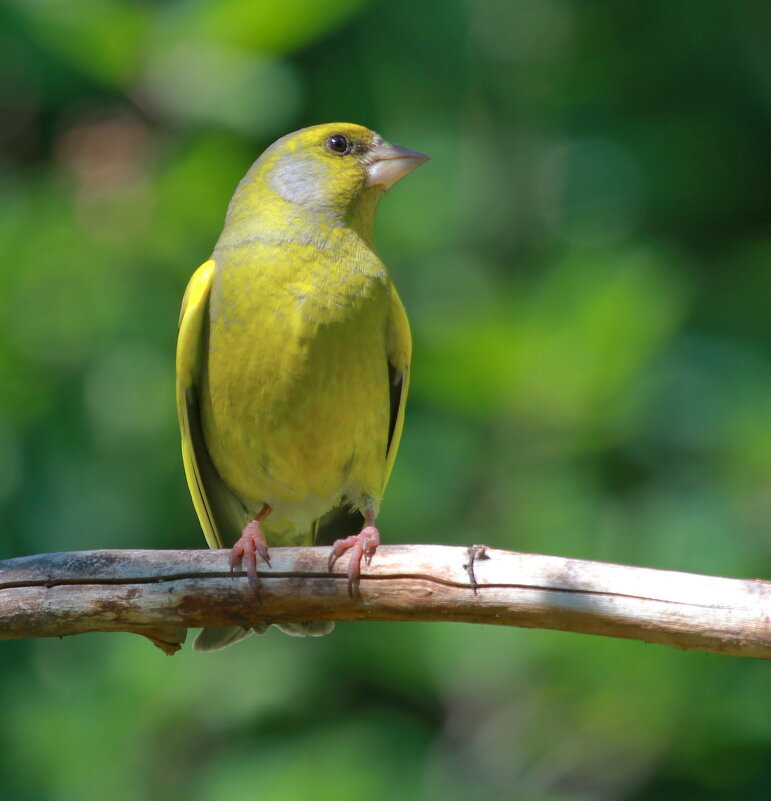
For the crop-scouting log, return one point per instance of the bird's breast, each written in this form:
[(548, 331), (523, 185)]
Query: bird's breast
[(295, 387)]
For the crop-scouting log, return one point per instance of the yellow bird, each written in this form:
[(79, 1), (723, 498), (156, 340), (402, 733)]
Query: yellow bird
[(293, 356)]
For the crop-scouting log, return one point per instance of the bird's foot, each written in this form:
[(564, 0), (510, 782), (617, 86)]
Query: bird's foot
[(244, 552), (361, 545)]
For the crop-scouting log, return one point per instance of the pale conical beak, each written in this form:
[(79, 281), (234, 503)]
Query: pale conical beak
[(387, 163)]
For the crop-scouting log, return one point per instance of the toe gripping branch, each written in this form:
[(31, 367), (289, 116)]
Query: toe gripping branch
[(250, 543), (362, 546)]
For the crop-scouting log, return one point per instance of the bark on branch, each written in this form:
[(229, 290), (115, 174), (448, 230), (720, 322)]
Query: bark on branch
[(159, 594)]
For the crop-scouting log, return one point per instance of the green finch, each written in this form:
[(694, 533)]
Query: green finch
[(293, 357)]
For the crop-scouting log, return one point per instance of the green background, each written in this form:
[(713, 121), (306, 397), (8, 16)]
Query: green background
[(586, 264)]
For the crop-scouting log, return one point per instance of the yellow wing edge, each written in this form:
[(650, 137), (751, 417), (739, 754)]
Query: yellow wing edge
[(399, 343), (192, 319)]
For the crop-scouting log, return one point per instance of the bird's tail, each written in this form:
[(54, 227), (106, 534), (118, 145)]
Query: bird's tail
[(215, 639)]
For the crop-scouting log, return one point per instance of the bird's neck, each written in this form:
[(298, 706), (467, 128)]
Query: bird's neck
[(268, 217)]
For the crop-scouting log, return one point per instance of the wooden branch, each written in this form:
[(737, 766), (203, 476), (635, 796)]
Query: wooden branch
[(159, 594)]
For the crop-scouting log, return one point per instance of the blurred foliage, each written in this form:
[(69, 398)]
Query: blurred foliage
[(586, 266)]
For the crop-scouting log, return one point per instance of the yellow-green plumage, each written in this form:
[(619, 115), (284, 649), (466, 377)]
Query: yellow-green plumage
[(294, 348)]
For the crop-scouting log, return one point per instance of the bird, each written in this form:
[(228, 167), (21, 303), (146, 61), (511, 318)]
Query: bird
[(293, 359)]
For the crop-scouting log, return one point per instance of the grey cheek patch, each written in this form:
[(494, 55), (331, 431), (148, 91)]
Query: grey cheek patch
[(298, 181)]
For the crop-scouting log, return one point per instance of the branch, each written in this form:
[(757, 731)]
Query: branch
[(159, 594)]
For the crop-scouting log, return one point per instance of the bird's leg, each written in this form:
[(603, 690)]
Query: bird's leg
[(361, 545), (250, 543)]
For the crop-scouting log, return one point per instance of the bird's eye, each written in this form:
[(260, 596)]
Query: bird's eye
[(339, 143)]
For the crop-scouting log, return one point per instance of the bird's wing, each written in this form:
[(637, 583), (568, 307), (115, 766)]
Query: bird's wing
[(215, 505), (399, 352)]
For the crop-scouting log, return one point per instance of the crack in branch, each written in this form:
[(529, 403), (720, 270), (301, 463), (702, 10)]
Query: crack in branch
[(475, 588)]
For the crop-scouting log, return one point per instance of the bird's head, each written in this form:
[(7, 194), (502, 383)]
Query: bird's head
[(327, 171)]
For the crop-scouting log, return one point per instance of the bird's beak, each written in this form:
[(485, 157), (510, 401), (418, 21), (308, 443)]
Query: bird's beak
[(387, 163)]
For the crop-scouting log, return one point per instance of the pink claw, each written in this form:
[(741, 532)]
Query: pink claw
[(250, 543), (361, 545)]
